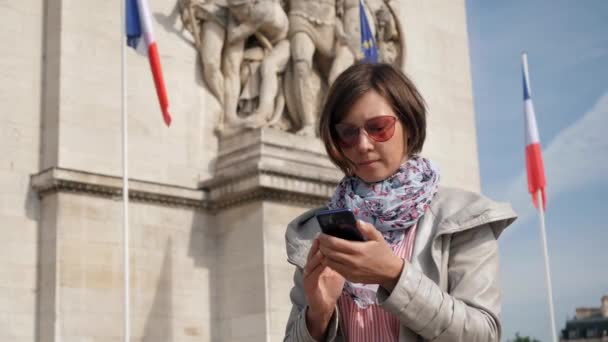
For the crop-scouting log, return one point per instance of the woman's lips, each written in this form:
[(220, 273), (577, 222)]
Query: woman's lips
[(367, 162)]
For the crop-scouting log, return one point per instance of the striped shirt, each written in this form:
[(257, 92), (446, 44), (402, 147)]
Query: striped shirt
[(373, 323)]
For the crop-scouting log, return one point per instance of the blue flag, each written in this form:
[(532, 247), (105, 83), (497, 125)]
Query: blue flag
[(368, 43), (133, 24)]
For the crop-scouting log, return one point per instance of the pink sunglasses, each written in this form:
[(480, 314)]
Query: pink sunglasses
[(379, 128)]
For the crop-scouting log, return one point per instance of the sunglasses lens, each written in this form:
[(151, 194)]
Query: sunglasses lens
[(348, 134), (381, 128)]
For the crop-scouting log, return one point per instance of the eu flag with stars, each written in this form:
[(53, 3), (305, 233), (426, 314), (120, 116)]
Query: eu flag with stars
[(368, 43)]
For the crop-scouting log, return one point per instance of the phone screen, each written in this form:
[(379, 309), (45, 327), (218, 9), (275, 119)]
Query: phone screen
[(339, 223)]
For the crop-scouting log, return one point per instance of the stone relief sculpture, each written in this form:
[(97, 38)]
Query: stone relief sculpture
[(390, 35), (386, 28), (269, 62), (312, 25), (266, 22), (207, 20)]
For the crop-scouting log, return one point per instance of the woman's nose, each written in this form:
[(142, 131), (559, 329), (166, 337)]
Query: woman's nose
[(364, 143)]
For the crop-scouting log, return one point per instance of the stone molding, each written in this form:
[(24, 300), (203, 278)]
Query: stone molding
[(265, 164), (266, 185), (58, 179), (271, 164)]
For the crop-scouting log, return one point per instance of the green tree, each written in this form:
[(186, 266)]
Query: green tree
[(519, 338)]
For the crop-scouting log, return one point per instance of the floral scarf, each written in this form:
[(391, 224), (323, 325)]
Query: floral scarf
[(392, 206)]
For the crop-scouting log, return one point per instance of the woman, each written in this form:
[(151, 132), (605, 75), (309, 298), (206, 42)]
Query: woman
[(429, 268)]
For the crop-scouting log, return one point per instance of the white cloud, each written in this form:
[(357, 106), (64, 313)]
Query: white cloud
[(578, 156)]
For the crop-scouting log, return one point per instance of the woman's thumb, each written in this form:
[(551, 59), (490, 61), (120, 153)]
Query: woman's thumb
[(368, 231)]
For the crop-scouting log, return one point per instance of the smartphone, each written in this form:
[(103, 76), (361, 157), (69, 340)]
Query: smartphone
[(339, 223)]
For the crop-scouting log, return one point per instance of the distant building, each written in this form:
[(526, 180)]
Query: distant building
[(589, 324)]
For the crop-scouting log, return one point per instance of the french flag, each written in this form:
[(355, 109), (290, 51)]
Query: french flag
[(139, 23), (534, 158)]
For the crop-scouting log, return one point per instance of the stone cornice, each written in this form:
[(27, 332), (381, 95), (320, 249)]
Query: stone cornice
[(216, 194), (266, 185), (270, 164), (66, 180), (266, 165)]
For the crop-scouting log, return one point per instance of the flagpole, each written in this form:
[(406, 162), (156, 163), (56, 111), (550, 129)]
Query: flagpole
[(125, 173), (543, 235)]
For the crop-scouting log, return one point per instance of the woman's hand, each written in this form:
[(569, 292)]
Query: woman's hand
[(369, 262), (322, 286)]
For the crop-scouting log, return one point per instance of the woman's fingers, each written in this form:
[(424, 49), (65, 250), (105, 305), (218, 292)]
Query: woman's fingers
[(368, 231), (343, 269), (336, 255), (328, 250), (315, 272), (313, 262), (339, 245), (313, 249)]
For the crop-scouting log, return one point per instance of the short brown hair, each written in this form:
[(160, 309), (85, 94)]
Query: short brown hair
[(390, 83)]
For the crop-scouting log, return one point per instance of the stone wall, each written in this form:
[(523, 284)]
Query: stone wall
[(438, 61), (173, 259), (83, 104), (21, 45)]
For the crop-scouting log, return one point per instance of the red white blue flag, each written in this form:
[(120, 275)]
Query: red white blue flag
[(534, 158), (139, 23)]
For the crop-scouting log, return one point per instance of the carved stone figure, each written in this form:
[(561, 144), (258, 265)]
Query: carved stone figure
[(311, 29), (207, 20), (246, 47), (384, 25), (348, 42), (267, 23), (390, 36)]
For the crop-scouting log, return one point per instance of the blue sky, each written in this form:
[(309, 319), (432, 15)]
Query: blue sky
[(567, 45)]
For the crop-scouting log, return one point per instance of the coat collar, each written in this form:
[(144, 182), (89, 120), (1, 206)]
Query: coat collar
[(452, 210)]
